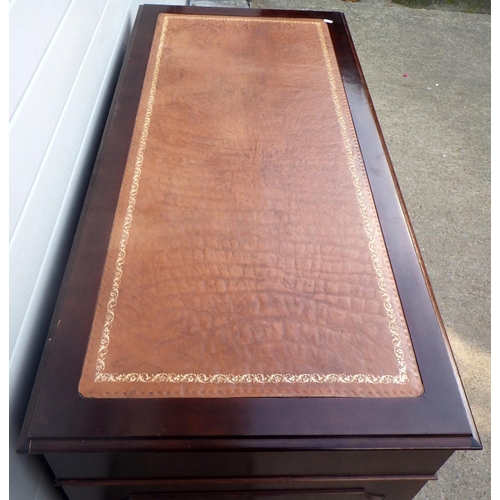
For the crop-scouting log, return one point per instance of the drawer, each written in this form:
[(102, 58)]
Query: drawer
[(360, 488)]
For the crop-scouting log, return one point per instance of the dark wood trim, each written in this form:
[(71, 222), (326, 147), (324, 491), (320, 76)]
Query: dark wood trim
[(411, 275), (58, 417), (323, 443), (240, 480), (61, 301), (355, 492)]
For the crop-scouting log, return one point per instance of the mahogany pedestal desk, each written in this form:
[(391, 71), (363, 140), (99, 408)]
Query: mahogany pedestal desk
[(245, 311)]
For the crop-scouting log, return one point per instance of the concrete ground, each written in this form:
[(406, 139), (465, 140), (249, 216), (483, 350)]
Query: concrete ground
[(436, 122)]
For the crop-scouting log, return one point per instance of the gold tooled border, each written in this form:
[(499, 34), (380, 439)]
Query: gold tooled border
[(102, 376)]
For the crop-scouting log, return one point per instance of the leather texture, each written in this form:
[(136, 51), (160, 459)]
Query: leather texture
[(246, 258)]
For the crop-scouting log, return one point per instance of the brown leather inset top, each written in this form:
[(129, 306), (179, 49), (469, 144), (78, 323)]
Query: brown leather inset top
[(246, 258)]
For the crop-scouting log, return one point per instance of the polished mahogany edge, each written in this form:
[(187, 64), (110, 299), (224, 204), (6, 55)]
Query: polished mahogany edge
[(355, 443), (411, 232), (238, 464), (23, 440), (239, 493), (242, 480), (62, 424), (234, 11), (400, 257)]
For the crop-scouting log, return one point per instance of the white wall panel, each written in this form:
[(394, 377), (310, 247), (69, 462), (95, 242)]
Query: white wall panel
[(59, 96), (29, 21), (34, 123), (59, 162)]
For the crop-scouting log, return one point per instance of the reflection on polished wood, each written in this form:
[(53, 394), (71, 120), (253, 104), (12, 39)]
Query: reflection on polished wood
[(154, 447)]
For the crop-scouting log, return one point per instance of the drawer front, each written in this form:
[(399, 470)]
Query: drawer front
[(246, 464), (95, 493), (334, 494), (402, 488)]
